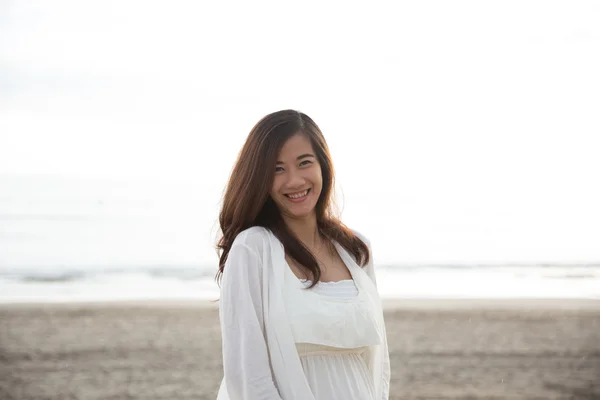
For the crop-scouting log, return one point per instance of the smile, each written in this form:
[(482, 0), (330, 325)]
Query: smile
[(297, 195)]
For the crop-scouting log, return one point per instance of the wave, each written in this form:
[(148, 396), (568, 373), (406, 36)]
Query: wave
[(197, 282), (208, 272), (183, 273), (482, 266)]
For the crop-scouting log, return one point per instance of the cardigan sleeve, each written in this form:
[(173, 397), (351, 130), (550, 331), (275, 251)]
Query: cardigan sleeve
[(246, 366), (386, 369)]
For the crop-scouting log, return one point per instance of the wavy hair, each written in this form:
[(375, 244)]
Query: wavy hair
[(247, 201)]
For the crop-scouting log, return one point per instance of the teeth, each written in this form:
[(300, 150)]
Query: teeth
[(298, 195)]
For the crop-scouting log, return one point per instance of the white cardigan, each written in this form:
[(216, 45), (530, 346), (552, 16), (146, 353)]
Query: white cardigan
[(260, 359)]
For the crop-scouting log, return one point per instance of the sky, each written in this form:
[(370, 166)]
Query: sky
[(462, 131)]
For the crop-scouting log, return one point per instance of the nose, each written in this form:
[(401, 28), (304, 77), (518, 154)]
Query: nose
[(295, 180)]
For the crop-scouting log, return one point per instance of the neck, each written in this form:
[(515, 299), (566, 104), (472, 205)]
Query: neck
[(305, 229)]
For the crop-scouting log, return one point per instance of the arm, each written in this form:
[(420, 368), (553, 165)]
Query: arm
[(385, 355), (246, 366)]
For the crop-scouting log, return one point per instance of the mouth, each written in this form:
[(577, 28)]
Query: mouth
[(297, 196)]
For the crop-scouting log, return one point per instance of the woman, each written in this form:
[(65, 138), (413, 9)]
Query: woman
[(299, 309)]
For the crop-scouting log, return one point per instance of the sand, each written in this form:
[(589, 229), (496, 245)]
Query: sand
[(461, 349)]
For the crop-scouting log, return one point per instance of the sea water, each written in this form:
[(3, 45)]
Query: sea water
[(91, 240)]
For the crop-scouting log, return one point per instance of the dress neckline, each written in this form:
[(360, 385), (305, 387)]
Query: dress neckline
[(327, 282), (348, 262)]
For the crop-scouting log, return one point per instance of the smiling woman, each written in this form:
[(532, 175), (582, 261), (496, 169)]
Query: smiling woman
[(298, 182), (300, 312), (284, 155)]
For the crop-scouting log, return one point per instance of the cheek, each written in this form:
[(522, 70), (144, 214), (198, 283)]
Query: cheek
[(275, 186), (319, 177)]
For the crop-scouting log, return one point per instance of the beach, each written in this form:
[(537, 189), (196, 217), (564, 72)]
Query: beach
[(454, 349)]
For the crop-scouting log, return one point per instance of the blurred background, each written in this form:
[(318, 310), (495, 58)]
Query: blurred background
[(465, 136)]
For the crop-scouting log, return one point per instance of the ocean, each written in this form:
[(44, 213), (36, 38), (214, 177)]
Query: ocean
[(65, 240), (394, 281)]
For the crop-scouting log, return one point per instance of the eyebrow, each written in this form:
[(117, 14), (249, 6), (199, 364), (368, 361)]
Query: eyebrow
[(300, 157)]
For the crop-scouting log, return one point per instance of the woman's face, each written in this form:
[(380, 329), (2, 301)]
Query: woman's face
[(298, 181)]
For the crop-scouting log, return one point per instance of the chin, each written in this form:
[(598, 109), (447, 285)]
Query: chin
[(298, 214)]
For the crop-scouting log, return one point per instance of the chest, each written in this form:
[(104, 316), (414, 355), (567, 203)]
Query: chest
[(343, 322), (347, 322), (332, 267)]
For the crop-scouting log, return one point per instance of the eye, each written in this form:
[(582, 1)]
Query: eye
[(278, 169), (305, 162)]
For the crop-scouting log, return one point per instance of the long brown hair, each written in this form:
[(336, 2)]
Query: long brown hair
[(247, 201)]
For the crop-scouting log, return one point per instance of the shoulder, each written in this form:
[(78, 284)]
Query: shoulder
[(247, 249), (369, 265), (369, 268), (254, 238), (362, 237)]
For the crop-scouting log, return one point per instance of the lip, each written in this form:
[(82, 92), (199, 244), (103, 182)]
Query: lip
[(300, 200)]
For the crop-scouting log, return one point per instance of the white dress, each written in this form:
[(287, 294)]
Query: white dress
[(333, 326), (271, 328)]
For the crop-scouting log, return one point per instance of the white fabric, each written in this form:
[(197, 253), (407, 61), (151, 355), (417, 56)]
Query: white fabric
[(336, 322), (340, 289), (333, 324), (260, 355), (336, 373)]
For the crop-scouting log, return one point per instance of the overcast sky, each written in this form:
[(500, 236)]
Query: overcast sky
[(464, 131)]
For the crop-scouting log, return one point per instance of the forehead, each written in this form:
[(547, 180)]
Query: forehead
[(296, 145)]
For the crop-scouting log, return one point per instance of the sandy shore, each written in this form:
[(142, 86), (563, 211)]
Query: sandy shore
[(456, 349)]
